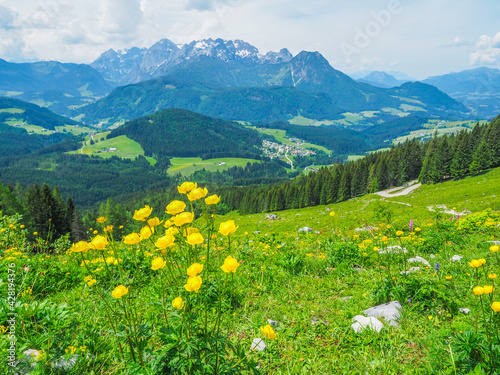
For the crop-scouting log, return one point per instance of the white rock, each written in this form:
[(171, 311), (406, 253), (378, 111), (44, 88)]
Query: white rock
[(392, 250), (390, 311), (456, 258), (305, 229), (411, 270), (464, 310), (272, 323), (495, 242), (65, 364), (419, 259), (360, 323), (258, 344), (432, 256), (346, 298)]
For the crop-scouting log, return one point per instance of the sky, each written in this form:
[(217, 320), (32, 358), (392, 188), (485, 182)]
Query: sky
[(418, 37)]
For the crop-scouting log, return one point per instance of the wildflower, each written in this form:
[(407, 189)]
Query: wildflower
[(119, 291), (193, 284), (172, 230), (154, 222), (268, 332), (99, 243), (332, 214), (195, 239), (417, 229), (411, 225), (494, 248), (183, 218), (388, 226), (399, 233), (81, 246), (496, 306), (175, 207), (165, 241), (492, 276), (186, 187), (22, 226), (146, 232), (197, 193), (213, 199), (430, 317), (448, 277), (158, 263), (178, 303), (482, 260), (91, 282), (436, 267), (101, 220), (230, 265), (143, 213), (132, 239), (227, 227), (108, 228), (478, 290), (190, 230), (475, 263), (95, 232), (488, 289), (194, 269)]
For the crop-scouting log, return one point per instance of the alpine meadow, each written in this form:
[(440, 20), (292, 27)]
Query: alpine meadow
[(194, 206)]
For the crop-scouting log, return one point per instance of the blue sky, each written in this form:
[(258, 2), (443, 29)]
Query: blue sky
[(419, 37)]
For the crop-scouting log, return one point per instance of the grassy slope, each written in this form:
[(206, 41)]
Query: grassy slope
[(187, 166), (472, 194)]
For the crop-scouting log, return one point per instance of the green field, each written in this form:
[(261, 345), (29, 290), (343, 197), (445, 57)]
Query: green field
[(125, 147), (12, 110), (187, 166), (301, 120), (470, 194)]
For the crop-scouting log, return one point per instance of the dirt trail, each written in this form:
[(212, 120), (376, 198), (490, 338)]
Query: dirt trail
[(401, 190)]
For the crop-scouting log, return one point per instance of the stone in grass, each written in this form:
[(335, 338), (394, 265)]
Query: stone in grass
[(495, 242), (272, 323), (360, 323), (392, 250), (411, 270), (391, 312), (346, 298), (419, 259), (258, 344), (456, 258), (464, 310), (305, 229)]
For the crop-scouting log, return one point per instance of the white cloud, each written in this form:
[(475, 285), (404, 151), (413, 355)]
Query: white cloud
[(487, 51)]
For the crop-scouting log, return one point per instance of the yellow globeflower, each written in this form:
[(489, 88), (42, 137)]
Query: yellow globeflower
[(143, 213), (183, 218), (228, 227), (488, 289), (197, 193), (175, 207), (475, 263), (146, 232), (482, 260), (132, 239), (494, 248), (478, 290), (268, 332), (186, 187), (81, 246), (154, 222), (195, 239), (165, 241), (35, 233), (178, 303), (194, 269), (230, 265), (172, 230), (496, 306), (492, 276), (399, 233), (190, 230), (158, 263), (119, 291), (213, 199), (193, 284), (95, 232), (101, 220), (99, 242), (168, 223)]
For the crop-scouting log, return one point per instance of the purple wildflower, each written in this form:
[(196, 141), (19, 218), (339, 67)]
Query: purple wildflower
[(436, 267), (411, 225)]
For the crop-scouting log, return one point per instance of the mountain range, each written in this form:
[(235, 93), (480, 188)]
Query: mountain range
[(232, 80)]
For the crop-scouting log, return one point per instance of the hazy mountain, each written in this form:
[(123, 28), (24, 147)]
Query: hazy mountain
[(478, 88), (381, 79), (50, 83)]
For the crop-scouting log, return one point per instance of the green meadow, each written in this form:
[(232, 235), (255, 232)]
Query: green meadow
[(188, 166)]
